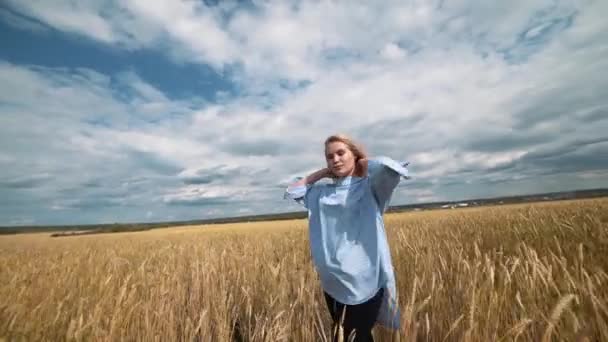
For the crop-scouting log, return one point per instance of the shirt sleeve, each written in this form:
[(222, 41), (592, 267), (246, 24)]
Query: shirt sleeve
[(384, 175), (299, 193)]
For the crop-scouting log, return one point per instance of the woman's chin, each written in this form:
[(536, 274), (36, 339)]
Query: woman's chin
[(341, 173)]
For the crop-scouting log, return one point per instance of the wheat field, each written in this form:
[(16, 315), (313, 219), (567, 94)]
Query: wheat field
[(531, 272)]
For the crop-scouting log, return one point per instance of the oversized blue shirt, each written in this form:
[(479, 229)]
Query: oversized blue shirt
[(347, 237)]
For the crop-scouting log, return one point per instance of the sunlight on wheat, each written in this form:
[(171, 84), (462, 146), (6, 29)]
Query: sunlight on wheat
[(522, 272)]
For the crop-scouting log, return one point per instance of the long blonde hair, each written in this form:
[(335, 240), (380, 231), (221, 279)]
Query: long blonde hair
[(354, 147)]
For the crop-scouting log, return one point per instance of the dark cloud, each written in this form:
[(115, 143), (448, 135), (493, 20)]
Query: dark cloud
[(499, 139), (199, 179), (394, 136), (145, 161), (418, 184), (92, 184), (260, 147), (563, 148), (199, 201), (226, 174), (94, 203), (595, 115), (562, 102), (576, 157), (585, 157), (20, 22), (379, 128), (209, 175), (12, 198), (25, 182)]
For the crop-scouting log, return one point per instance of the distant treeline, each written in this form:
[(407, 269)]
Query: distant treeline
[(133, 227), (71, 230), (551, 196)]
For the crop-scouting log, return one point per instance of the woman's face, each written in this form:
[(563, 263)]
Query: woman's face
[(340, 159)]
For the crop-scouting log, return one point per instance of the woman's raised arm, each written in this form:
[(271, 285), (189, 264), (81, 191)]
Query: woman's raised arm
[(313, 177), (298, 190), (385, 173)]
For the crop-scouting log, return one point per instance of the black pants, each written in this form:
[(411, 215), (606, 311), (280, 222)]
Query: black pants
[(358, 318)]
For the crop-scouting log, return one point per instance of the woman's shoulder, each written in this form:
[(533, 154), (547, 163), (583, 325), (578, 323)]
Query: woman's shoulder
[(383, 162)]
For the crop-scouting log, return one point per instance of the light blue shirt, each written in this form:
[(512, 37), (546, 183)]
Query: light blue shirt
[(347, 237)]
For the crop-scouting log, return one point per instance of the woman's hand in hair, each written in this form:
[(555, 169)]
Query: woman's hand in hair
[(314, 177)]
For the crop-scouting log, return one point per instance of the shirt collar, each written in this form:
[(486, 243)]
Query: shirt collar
[(348, 180)]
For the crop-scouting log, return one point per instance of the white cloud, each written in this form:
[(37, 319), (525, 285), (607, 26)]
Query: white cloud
[(72, 16), (493, 95), (392, 51), (20, 22), (191, 25)]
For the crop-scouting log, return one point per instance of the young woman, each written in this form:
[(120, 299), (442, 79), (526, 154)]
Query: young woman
[(347, 238)]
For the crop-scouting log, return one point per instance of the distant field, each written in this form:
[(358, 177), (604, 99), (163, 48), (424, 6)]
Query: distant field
[(533, 272)]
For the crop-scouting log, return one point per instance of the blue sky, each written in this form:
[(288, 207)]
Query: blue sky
[(138, 111)]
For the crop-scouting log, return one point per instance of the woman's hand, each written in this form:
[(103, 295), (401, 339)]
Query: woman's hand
[(314, 177), (327, 173)]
